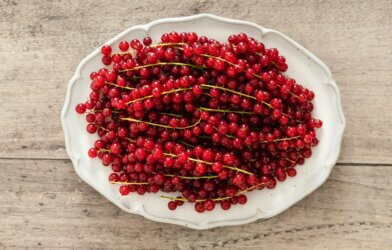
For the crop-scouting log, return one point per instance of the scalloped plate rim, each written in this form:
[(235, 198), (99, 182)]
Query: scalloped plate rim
[(201, 226)]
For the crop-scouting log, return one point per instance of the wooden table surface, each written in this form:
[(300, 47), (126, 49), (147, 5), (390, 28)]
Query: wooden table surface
[(44, 204)]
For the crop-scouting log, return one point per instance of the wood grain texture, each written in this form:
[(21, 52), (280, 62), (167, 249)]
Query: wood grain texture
[(43, 204), (351, 210), (42, 42)]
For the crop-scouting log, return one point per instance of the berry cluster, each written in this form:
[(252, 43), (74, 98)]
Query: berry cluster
[(189, 114)]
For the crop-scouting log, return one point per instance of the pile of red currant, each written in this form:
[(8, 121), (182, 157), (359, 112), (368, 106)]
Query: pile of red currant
[(193, 116)]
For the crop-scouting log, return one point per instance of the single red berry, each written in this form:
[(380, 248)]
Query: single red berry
[(200, 168), (124, 190), (183, 158), (217, 167), (225, 204), (106, 50), (291, 172), (199, 207), (80, 108), (92, 152), (209, 205), (114, 177), (91, 128), (172, 205), (116, 148), (242, 199), (124, 45), (168, 162)]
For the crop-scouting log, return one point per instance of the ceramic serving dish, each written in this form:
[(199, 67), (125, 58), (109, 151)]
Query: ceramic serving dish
[(305, 67)]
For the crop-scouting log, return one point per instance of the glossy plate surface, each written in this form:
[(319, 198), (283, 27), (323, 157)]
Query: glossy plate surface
[(306, 68)]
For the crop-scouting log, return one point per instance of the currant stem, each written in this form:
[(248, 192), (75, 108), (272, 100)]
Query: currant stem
[(129, 139), (210, 163), (241, 94), (119, 86), (219, 58), (275, 64), (162, 64), (113, 111), (216, 199), (287, 159), (160, 125), (193, 177), (276, 140), (282, 139), (250, 188), (228, 90), (286, 138), (170, 114), (209, 137), (238, 170), (186, 144), (173, 199), (291, 93), (226, 111), (167, 44), (104, 129), (129, 183), (163, 93)]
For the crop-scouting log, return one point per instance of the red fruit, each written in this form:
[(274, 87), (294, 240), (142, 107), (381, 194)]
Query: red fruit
[(217, 167), (106, 50), (124, 190), (225, 205), (209, 205), (242, 199), (199, 207), (172, 205), (197, 117), (124, 45), (200, 168), (116, 148), (92, 152), (80, 108)]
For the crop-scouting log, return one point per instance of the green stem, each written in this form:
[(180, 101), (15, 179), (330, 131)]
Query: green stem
[(186, 144), (163, 93), (104, 129), (283, 139), (129, 183), (287, 159), (210, 163), (216, 199), (219, 58), (193, 177), (168, 44), (119, 86), (159, 125), (163, 64), (113, 111), (173, 198), (129, 139), (170, 114), (239, 93), (226, 111), (228, 90)]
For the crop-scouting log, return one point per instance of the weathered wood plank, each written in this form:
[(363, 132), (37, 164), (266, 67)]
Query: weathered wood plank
[(43, 203), (41, 43)]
